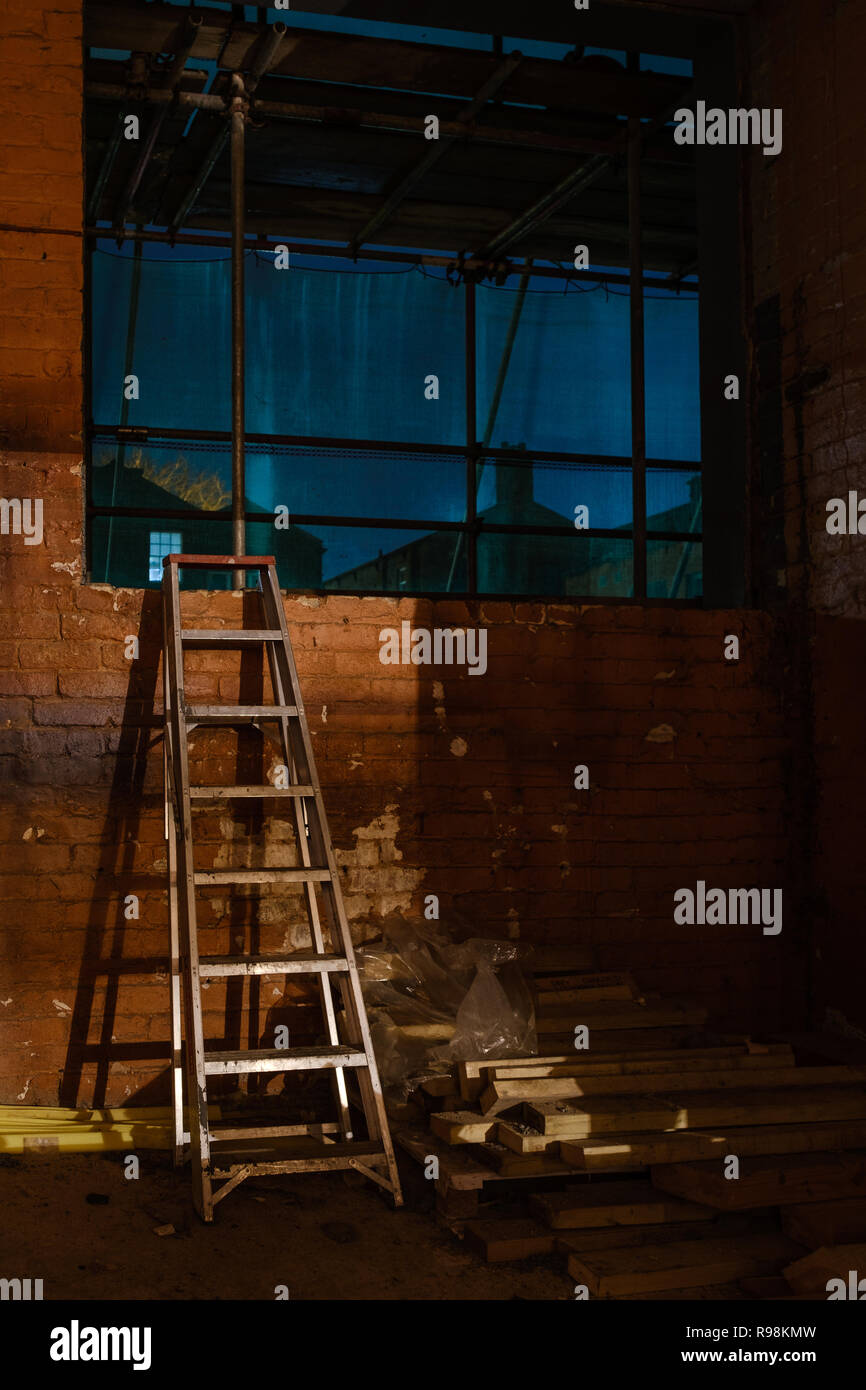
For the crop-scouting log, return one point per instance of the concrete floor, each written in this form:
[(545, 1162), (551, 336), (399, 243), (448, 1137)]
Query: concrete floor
[(319, 1236)]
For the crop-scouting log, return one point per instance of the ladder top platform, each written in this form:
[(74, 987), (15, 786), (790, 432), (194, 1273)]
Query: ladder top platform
[(212, 562)]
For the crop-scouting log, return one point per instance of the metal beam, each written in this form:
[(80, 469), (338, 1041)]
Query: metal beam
[(638, 362), (360, 118), (262, 61), (306, 248), (186, 43), (436, 150), (547, 205), (238, 138), (106, 166), (578, 180)]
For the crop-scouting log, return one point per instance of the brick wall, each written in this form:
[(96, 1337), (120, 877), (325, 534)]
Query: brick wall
[(808, 233), (436, 783)]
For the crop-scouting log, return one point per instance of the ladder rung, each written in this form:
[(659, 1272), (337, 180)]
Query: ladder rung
[(262, 876), (232, 793), (282, 1059), (333, 1156), (234, 636), (237, 714), (315, 1130), (303, 963)]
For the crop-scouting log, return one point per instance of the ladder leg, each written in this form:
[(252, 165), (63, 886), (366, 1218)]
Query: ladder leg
[(174, 966), (338, 1077), (320, 844), (196, 1092)]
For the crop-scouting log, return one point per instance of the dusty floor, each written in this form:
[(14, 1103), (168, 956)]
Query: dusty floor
[(315, 1234)]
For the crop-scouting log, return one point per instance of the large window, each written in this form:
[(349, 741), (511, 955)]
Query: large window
[(363, 472)]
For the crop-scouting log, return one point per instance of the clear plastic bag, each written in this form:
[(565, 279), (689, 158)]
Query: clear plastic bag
[(433, 1002)]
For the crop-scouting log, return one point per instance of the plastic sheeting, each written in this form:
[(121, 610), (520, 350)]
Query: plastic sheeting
[(433, 1002)]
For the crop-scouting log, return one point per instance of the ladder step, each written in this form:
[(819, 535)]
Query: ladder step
[(235, 793), (220, 562), (237, 714), (212, 637), (303, 963), (222, 1136), (262, 876), (282, 1059), (332, 1156)]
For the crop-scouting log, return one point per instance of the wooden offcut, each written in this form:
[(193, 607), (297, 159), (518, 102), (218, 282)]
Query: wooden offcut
[(812, 1273), (696, 1109), (613, 1204), (766, 1180), (508, 1240), (623, 1153), (505, 1092), (681, 1265), (814, 1224)]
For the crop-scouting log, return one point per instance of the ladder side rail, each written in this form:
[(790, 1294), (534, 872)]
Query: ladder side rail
[(194, 1051), (312, 903), (321, 843), (170, 804)]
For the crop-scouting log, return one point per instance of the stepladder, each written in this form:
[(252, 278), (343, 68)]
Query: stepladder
[(303, 899)]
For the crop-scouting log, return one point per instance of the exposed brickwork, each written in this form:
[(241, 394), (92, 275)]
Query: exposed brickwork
[(437, 782)]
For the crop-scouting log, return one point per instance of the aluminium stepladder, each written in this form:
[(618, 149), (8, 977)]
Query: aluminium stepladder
[(327, 1145)]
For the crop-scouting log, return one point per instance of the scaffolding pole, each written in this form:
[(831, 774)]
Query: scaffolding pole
[(238, 137)]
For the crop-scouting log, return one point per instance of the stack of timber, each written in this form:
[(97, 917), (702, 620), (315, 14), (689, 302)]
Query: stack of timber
[(618, 1157)]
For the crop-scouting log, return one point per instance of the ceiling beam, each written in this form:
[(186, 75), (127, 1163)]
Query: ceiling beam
[(186, 42), (568, 188), (389, 63), (505, 135), (437, 148), (262, 58)]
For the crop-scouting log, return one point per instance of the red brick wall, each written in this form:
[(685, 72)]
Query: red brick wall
[(464, 791), (808, 235)]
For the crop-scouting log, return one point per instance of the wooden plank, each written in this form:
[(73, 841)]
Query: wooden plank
[(695, 1110), (501, 1094), (497, 1241), (457, 1169), (474, 1075), (560, 991), (618, 1017), (462, 1127), (812, 1273), (680, 1265), (766, 1180), (510, 1165), (587, 981), (439, 1085), (619, 1041), (627, 1237), (674, 1062), (838, 1222), (523, 1139), (612, 1204), (626, 1153)]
